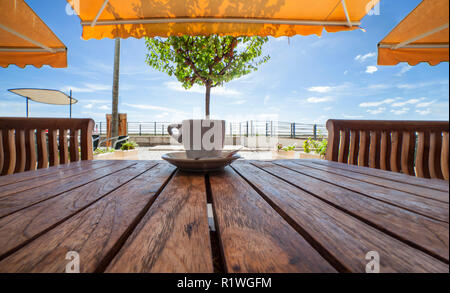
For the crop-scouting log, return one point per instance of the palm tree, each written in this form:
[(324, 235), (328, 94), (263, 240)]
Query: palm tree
[(115, 92)]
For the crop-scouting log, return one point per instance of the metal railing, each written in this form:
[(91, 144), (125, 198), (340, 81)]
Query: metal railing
[(245, 128)]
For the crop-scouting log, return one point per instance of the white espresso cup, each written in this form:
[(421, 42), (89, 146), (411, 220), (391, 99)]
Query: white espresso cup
[(201, 138)]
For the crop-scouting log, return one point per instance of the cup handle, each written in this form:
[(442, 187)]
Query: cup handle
[(177, 137)]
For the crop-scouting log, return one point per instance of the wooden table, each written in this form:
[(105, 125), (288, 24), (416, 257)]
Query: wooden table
[(280, 216)]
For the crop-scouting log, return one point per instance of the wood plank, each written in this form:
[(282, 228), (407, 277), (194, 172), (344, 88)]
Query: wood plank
[(42, 151), (53, 153), (354, 147), (393, 176), (96, 232), (424, 206), (422, 154), (344, 146), (19, 228), (434, 159), (63, 147), (364, 144), (339, 235), (74, 145), (416, 190), (396, 150), (407, 155), (10, 179), (51, 178), (30, 146), (430, 235), (174, 234), (17, 201), (445, 156), (374, 150), (2, 154), (9, 151), (21, 155), (385, 150), (254, 238)]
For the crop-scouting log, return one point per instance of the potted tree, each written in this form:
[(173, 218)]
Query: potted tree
[(209, 61)]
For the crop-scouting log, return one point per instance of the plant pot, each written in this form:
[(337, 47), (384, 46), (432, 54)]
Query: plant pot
[(304, 155), (280, 154), (119, 155)]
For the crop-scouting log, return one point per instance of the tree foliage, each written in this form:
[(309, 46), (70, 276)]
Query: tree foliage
[(205, 60)]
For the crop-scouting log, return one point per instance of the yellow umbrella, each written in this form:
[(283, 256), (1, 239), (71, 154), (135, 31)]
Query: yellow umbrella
[(139, 18), (421, 37), (26, 40)]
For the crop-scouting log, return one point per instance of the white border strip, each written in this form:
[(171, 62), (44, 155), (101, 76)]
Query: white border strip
[(37, 50), (222, 20), (415, 46), (99, 13), (48, 49), (349, 23), (419, 37)]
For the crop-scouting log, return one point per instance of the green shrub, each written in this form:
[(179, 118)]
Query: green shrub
[(319, 146), (129, 145)]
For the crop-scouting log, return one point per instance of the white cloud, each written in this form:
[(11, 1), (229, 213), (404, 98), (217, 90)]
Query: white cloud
[(88, 106), (362, 58), (88, 88), (377, 111), (401, 111), (424, 112), (404, 69), (316, 100), (266, 99), (371, 69), (408, 102), (425, 104), (239, 102), (152, 107), (220, 91), (376, 104), (352, 116), (104, 107), (320, 89), (327, 108)]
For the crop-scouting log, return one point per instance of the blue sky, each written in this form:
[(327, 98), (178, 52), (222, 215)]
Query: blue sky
[(308, 79)]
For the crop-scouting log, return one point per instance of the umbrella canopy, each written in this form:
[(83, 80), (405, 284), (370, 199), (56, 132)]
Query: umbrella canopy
[(421, 37), (26, 40), (45, 96), (139, 18)]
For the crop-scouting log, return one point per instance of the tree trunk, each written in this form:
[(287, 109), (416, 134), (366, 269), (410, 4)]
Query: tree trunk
[(115, 92), (207, 99)]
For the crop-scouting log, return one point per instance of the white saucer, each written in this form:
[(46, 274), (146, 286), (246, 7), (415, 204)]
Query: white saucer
[(180, 160)]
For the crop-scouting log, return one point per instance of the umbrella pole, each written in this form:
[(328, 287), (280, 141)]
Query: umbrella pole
[(70, 114), (27, 107)]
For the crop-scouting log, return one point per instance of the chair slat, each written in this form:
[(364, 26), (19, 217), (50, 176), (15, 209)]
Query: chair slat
[(86, 142), (74, 145), (53, 147), (30, 145), (434, 159), (2, 158), (354, 147), (344, 146), (333, 143), (364, 144), (374, 150), (21, 154), (9, 150), (407, 155), (41, 138), (396, 150), (385, 150), (422, 155), (63, 147), (445, 156)]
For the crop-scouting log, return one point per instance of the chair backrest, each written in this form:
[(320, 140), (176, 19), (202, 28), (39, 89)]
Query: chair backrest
[(30, 143), (419, 148)]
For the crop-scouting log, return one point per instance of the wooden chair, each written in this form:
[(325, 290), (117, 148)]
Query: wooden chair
[(419, 148), (30, 143)]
